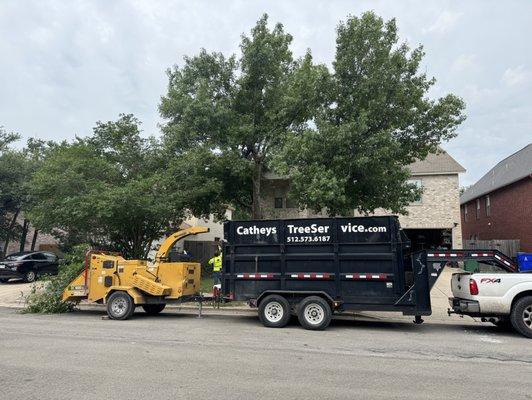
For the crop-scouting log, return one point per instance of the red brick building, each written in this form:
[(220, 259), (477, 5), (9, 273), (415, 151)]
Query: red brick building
[(499, 205)]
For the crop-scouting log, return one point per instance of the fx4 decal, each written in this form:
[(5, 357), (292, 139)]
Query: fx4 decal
[(490, 280)]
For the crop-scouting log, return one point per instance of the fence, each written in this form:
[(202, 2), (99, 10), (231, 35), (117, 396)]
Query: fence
[(508, 247)]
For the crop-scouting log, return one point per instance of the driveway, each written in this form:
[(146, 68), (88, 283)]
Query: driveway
[(12, 293)]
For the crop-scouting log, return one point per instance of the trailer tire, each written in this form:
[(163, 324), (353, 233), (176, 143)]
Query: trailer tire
[(153, 309), (314, 313), (120, 306), (274, 311), (521, 316)]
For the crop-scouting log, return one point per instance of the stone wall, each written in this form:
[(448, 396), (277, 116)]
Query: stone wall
[(439, 207)]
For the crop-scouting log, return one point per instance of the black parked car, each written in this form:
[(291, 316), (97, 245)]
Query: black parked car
[(27, 265)]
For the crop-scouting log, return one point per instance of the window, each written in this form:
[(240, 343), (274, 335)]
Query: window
[(465, 213), (50, 256), (478, 208), (278, 202), (418, 183), (38, 256), (488, 206)]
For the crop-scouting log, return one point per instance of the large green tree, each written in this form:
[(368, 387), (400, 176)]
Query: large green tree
[(12, 193), (16, 167), (226, 117), (109, 190), (377, 118)]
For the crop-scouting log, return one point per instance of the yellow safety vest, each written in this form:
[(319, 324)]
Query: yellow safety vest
[(216, 263)]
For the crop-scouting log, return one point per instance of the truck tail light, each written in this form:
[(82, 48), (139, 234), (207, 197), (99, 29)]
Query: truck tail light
[(473, 287)]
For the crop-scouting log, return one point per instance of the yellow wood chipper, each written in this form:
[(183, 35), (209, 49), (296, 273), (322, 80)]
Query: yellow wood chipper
[(125, 284)]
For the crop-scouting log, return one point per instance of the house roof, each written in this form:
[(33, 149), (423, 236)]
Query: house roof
[(512, 169), (435, 164)]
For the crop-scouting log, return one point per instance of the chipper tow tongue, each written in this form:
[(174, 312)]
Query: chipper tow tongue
[(125, 284)]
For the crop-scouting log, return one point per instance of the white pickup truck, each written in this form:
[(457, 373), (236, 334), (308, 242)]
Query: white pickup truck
[(497, 295)]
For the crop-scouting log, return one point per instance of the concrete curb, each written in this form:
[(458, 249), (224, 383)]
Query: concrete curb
[(362, 316)]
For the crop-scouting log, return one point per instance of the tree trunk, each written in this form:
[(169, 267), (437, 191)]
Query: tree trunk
[(11, 227), (34, 239), (256, 209), (24, 235)]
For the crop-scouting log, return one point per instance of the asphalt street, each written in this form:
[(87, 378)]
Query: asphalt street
[(178, 356)]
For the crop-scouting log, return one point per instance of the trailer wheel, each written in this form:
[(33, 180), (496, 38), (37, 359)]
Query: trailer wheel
[(521, 316), (153, 309), (120, 306), (314, 313), (274, 311)]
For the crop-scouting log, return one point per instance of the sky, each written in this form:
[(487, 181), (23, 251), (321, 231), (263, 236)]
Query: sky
[(66, 64)]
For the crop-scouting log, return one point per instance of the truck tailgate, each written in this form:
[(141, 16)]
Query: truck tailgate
[(460, 285)]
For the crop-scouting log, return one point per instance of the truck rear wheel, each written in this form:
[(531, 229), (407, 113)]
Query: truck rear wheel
[(120, 306), (274, 311), (521, 316), (153, 309), (314, 313)]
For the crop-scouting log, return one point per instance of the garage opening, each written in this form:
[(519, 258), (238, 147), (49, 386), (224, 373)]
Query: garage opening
[(429, 239)]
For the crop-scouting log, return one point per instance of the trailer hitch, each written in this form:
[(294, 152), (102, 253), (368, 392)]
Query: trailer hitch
[(418, 320)]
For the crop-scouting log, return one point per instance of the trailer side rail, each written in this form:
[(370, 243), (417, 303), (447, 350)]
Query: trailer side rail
[(493, 256)]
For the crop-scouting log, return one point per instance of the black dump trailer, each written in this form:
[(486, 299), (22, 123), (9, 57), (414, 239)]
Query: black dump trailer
[(315, 267)]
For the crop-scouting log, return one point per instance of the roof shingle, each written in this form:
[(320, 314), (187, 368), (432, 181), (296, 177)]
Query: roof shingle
[(512, 169), (436, 163)]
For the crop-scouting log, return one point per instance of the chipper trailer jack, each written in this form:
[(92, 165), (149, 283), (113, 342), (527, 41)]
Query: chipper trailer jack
[(125, 284)]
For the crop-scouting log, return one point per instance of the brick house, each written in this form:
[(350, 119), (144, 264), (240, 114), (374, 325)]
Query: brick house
[(499, 205), (433, 221)]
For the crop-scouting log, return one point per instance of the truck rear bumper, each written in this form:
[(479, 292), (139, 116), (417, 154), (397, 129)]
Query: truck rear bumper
[(462, 306)]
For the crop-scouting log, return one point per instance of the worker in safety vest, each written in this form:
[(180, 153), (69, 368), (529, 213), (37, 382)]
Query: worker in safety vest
[(216, 264)]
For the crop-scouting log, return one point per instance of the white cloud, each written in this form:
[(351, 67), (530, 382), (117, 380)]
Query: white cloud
[(464, 62), (69, 64), (445, 22), (516, 76)]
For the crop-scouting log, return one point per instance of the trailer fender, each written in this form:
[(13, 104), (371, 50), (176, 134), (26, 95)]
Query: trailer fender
[(136, 295), (286, 293)]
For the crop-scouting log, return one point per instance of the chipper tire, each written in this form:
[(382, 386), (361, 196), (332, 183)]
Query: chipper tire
[(314, 313), (120, 306), (153, 309), (274, 311), (521, 316)]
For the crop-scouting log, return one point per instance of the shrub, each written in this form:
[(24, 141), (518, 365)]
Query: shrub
[(46, 294)]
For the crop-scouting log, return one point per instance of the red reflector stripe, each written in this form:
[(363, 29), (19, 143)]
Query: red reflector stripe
[(367, 277), (313, 275), (445, 255), (254, 276)]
